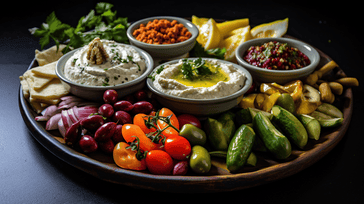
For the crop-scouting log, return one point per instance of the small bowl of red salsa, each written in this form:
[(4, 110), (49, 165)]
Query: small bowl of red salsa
[(277, 60)]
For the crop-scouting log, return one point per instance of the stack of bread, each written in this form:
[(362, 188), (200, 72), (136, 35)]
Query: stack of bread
[(40, 85)]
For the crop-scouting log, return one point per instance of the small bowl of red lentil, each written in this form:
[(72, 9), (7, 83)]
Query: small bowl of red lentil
[(163, 36), (277, 60)]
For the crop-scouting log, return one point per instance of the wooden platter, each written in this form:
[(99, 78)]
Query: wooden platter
[(219, 179)]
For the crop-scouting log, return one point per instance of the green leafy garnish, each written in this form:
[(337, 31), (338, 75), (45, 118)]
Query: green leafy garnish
[(104, 24), (191, 68), (158, 71), (199, 51)]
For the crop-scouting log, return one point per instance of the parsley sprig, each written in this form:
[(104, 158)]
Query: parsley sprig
[(103, 21), (191, 68)]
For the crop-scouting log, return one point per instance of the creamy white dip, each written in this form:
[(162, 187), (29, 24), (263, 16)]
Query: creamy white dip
[(164, 82), (123, 65)]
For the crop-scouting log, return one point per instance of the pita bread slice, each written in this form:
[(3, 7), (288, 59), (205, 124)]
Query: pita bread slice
[(48, 70), (25, 87), (36, 82), (54, 101), (53, 90), (49, 55)]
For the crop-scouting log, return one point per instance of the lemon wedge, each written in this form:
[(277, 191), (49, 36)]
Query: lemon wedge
[(199, 21), (209, 35), (238, 36), (273, 29), (227, 26)]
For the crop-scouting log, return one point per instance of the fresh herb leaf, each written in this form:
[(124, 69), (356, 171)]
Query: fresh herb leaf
[(199, 51), (186, 69), (102, 7), (217, 52), (114, 28)]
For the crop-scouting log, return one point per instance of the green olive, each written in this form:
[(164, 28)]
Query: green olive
[(200, 161), (193, 134)]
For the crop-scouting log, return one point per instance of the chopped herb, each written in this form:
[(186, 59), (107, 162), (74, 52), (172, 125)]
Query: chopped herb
[(186, 69), (106, 82), (74, 61), (196, 67), (158, 71)]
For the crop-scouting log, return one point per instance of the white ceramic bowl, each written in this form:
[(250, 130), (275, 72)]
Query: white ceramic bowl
[(95, 93), (279, 76), (164, 50), (201, 107)]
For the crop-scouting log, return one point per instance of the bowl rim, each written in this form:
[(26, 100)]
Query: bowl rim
[(190, 27), (244, 89), (147, 57), (314, 60)]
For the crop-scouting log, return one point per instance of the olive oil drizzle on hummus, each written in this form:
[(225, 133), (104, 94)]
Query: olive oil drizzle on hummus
[(211, 74)]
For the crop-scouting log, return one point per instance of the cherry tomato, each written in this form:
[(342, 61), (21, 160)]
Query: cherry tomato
[(159, 162), (140, 119), (174, 121), (130, 130), (178, 147), (125, 158), (189, 119)]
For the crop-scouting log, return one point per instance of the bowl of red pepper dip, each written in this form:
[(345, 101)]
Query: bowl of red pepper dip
[(277, 60), (163, 36)]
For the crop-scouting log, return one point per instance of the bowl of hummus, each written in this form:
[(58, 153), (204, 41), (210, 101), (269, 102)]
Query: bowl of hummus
[(199, 86), (104, 64)]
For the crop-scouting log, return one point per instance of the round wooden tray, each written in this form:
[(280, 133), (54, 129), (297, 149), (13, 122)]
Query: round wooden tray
[(219, 179)]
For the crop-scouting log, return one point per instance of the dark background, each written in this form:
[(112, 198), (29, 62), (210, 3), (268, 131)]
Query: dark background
[(31, 174)]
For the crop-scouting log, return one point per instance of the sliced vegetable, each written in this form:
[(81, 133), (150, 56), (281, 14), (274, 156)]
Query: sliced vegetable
[(310, 100), (273, 140), (290, 125), (252, 160), (270, 101), (285, 100), (311, 94), (216, 137), (228, 125), (327, 121), (259, 100), (312, 125), (330, 110), (248, 101), (254, 111)]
